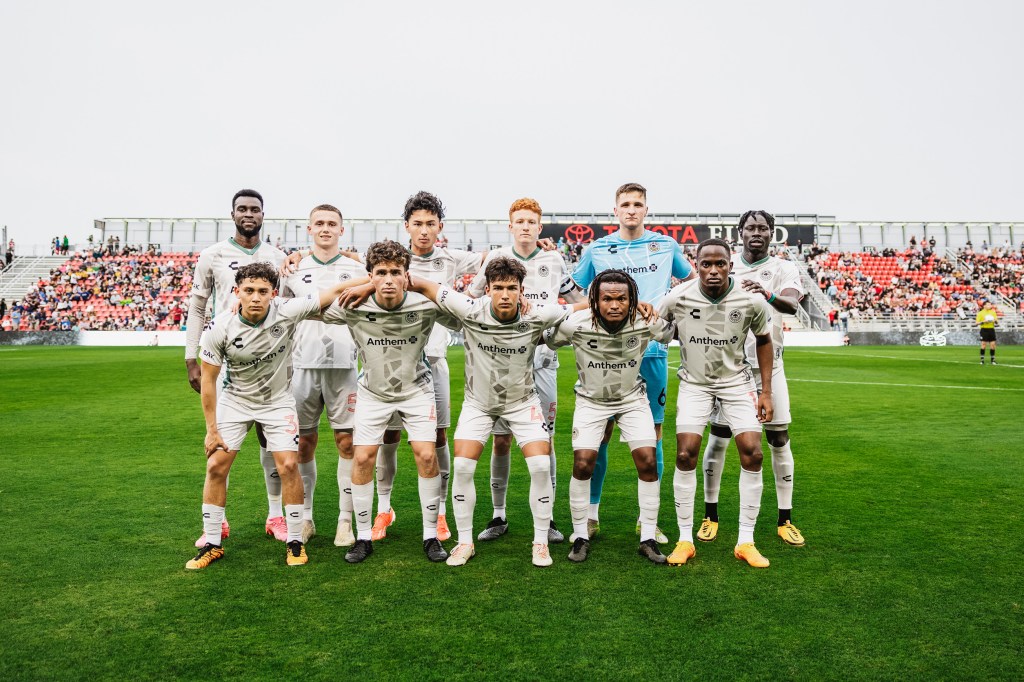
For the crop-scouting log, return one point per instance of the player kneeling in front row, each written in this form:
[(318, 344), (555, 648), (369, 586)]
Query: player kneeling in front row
[(712, 317), (500, 345), (255, 344), (609, 341)]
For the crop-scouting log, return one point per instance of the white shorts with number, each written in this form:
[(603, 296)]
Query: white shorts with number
[(279, 421), (636, 425), (737, 407), (331, 388), (546, 381), (780, 401), (442, 395), (417, 415), (526, 422)]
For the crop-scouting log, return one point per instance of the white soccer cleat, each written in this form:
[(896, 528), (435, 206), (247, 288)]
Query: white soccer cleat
[(344, 536), (541, 555)]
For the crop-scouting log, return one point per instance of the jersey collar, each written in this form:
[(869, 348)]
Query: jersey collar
[(535, 252), (241, 248), (247, 323), (755, 263), (325, 262), (490, 310), (608, 329), (732, 283), (405, 295)]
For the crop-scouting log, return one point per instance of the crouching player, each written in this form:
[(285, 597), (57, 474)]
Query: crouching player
[(255, 344), (609, 341), (712, 317)]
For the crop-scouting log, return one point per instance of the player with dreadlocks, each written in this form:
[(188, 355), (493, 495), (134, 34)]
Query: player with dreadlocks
[(609, 340)]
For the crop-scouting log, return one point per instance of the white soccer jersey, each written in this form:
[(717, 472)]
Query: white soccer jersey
[(215, 271), (391, 343), (257, 356), (545, 272), (499, 355), (608, 363), (442, 266), (711, 333), (318, 345), (775, 275)]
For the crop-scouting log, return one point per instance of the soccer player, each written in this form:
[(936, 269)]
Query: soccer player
[(325, 373), (255, 345), (986, 320), (501, 341), (712, 317), (390, 331), (545, 272), (214, 277), (609, 341), (778, 282), (652, 259)]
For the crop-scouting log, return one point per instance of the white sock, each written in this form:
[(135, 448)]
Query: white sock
[(554, 473), (273, 482), (782, 466), (213, 517), (579, 494), (387, 467), (594, 508), (750, 504), (307, 470), (684, 486), (464, 497), (540, 497), (362, 503), (714, 463), (344, 489), (649, 496), (500, 466), (444, 463), (293, 517), (430, 493)]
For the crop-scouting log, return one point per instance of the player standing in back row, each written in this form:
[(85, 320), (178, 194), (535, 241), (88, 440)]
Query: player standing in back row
[(778, 281), (652, 259)]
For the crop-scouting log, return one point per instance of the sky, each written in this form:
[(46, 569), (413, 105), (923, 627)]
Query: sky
[(868, 110)]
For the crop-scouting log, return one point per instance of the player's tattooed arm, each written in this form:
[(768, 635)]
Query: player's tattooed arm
[(213, 440), (786, 301), (763, 348)]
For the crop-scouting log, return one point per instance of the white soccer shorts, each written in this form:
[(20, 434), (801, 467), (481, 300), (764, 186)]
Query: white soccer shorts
[(546, 381), (330, 388), (781, 418), (526, 422), (417, 415), (442, 395), (738, 407), (633, 417), (279, 421)]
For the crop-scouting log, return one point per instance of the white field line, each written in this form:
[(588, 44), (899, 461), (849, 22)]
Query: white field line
[(904, 358)]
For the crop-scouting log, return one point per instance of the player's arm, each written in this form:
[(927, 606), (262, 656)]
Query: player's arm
[(330, 294), (786, 301), (763, 348), (681, 268), (193, 332), (571, 292), (213, 441)]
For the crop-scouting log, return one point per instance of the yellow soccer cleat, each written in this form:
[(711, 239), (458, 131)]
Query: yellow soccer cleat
[(443, 532), (747, 552), (295, 555), (207, 555), (683, 552), (708, 530), (381, 523), (791, 535)]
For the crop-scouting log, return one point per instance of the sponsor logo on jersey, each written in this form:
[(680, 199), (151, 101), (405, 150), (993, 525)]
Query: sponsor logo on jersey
[(735, 316), (711, 341), (640, 270), (388, 341), (277, 331), (632, 363), (607, 365), (654, 267), (500, 350)]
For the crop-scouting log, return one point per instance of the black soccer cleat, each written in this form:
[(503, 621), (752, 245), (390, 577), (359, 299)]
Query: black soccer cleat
[(496, 527), (554, 535), (359, 552), (649, 549), (580, 550), (434, 551)]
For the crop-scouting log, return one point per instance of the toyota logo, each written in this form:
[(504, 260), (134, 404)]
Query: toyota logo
[(580, 233)]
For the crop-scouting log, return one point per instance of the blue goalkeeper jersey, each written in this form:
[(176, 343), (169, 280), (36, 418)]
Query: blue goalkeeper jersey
[(652, 260)]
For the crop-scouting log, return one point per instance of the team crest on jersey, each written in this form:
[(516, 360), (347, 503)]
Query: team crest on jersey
[(412, 316), (437, 264), (277, 331), (654, 247), (523, 327), (544, 271), (766, 275), (735, 316), (632, 342), (344, 277)]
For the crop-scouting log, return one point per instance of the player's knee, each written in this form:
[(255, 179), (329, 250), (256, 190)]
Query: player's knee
[(686, 459), (721, 431), (751, 457), (216, 470), (777, 438), (288, 466)]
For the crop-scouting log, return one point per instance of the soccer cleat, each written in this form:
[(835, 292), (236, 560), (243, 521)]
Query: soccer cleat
[(659, 535), (308, 530), (593, 528), (983, 362), (278, 528), (541, 555), (683, 552), (791, 535), (708, 530), (207, 555), (434, 551), (994, 362), (554, 535), (359, 552), (496, 527), (381, 523), (344, 536), (747, 552), (225, 531), (649, 549), (580, 550), (295, 555), (461, 554), (443, 532)]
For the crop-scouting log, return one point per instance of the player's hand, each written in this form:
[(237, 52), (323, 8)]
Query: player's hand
[(194, 375), (647, 311), (546, 244), (291, 263), (214, 443), (351, 253), (765, 408), (355, 296), (524, 304), (755, 288)]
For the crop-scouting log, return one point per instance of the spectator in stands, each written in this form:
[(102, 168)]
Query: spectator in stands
[(64, 246), (3, 307), (9, 256), (832, 291)]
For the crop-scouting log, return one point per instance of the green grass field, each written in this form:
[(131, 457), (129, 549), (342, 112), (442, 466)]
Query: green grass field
[(908, 490)]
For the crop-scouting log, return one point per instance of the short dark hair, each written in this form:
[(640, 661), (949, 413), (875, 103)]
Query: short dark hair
[(613, 276), (714, 241), (768, 218), (326, 207), (630, 187), (257, 271), (501, 269), (423, 201), (246, 193), (386, 251)]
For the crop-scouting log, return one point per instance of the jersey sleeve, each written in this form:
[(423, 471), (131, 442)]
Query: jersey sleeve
[(662, 330), (454, 303), (202, 278), (211, 346), (680, 266), (334, 314), (301, 308), (561, 335), (466, 262), (583, 275), (666, 306), (790, 278), (761, 323), (552, 314)]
